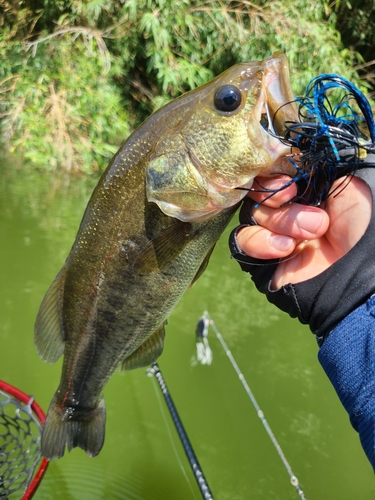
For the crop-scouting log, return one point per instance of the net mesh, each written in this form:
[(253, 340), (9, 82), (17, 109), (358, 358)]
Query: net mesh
[(20, 432)]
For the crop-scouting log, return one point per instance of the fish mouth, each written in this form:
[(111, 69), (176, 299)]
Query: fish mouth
[(275, 109), (279, 104)]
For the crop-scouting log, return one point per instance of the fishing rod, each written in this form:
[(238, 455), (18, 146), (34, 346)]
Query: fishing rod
[(202, 331), (193, 460)]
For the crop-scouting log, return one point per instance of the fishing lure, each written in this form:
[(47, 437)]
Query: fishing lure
[(334, 140)]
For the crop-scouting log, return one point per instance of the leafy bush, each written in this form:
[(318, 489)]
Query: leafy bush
[(77, 76), (355, 20)]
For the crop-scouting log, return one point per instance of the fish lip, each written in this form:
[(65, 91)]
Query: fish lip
[(277, 97), (277, 101)]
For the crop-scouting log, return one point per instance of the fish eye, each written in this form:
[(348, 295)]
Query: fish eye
[(227, 98)]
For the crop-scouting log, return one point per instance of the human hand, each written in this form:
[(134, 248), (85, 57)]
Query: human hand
[(307, 239)]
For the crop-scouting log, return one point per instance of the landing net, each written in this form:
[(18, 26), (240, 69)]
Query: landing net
[(21, 464)]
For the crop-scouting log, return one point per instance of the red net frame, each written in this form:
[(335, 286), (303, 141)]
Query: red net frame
[(38, 415)]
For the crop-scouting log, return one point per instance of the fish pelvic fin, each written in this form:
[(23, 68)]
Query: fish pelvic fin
[(60, 431), (148, 352), (203, 266), (49, 335)]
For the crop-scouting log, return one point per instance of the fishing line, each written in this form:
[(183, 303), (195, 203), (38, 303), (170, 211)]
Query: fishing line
[(162, 410), (207, 320)]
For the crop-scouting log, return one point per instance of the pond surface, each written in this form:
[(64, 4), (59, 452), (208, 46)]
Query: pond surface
[(142, 457)]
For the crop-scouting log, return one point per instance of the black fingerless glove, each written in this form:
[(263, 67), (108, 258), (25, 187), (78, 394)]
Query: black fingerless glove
[(321, 302)]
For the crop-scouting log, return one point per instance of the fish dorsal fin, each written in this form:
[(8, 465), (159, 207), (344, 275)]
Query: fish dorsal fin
[(148, 352), (164, 248), (49, 335)]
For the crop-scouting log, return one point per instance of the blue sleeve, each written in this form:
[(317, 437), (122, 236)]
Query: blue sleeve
[(348, 358)]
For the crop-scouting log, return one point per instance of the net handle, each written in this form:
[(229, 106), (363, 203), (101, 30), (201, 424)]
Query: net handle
[(28, 400)]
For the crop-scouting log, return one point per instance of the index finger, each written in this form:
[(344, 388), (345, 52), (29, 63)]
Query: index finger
[(279, 187)]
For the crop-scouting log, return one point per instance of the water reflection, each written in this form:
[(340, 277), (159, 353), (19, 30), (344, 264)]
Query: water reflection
[(89, 482)]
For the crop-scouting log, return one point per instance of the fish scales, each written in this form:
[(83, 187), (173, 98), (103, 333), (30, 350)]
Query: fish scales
[(146, 235)]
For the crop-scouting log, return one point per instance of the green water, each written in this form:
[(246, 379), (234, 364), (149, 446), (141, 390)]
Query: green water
[(142, 457)]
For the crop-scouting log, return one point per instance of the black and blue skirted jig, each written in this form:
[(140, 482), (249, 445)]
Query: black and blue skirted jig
[(334, 140)]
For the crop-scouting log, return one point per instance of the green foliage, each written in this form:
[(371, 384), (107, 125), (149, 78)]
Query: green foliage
[(77, 76), (61, 106), (356, 20)]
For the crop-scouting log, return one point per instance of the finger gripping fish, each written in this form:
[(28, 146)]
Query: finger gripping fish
[(147, 234)]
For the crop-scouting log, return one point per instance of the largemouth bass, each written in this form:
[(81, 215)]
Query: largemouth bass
[(147, 234)]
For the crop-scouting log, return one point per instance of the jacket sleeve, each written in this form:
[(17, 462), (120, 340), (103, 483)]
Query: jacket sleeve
[(348, 358)]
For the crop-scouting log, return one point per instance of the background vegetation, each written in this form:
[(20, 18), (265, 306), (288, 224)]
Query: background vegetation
[(76, 77)]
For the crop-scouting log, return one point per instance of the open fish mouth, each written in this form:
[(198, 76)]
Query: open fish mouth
[(275, 110), (279, 106)]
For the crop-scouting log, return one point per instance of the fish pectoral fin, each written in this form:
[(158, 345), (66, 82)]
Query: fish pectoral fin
[(203, 266), (148, 352), (164, 248), (49, 336)]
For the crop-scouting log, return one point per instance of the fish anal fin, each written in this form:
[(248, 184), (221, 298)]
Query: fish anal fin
[(164, 248), (49, 335), (203, 266), (148, 352)]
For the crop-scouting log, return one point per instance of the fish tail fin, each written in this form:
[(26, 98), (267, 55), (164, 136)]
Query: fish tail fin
[(86, 433)]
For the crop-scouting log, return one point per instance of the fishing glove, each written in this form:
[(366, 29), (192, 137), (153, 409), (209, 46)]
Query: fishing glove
[(323, 301)]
